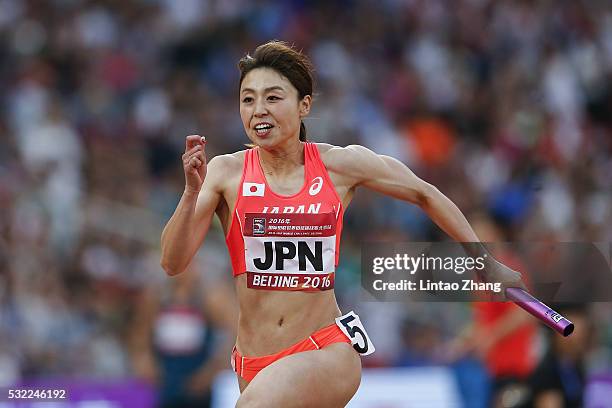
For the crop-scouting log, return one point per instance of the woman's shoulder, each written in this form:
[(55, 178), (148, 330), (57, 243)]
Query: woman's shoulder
[(333, 155), (224, 170), (324, 147), (328, 151), (229, 161)]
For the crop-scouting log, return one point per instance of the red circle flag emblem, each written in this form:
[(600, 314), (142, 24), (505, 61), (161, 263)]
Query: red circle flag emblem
[(253, 189)]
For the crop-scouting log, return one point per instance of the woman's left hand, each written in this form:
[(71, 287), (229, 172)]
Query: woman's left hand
[(497, 272)]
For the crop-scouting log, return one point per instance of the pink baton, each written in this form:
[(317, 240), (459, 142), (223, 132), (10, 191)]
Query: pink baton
[(538, 309)]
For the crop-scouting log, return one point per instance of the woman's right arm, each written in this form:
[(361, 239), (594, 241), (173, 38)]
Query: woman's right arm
[(187, 228)]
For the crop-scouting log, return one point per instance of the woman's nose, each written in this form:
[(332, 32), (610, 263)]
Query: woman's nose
[(260, 109)]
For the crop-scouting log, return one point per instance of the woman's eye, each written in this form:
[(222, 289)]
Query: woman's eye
[(273, 98), (248, 99)]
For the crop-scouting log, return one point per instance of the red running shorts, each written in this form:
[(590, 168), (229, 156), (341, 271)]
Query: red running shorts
[(248, 367)]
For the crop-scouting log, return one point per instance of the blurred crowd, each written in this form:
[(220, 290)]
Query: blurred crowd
[(505, 106)]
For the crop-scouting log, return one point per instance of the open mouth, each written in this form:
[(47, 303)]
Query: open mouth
[(263, 129)]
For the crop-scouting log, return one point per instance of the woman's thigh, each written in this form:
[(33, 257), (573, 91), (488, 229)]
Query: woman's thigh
[(321, 378)]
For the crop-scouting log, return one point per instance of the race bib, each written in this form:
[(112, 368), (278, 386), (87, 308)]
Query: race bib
[(290, 251), (350, 324)]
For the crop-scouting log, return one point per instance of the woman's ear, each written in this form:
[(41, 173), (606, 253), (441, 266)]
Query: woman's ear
[(305, 105)]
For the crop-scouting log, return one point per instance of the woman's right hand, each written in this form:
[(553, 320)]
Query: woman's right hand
[(194, 162)]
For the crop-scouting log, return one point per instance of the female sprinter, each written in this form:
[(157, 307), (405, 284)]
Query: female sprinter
[(281, 204)]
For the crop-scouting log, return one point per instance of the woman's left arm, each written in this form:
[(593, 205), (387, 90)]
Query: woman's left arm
[(391, 177), (387, 175)]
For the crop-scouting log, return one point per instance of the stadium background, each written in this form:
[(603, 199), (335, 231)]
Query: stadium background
[(505, 106)]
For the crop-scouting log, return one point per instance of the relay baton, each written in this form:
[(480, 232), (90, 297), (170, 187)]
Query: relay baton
[(538, 309)]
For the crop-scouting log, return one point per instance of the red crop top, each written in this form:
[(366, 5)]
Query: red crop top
[(286, 242)]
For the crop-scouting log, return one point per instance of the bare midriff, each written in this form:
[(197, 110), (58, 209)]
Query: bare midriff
[(272, 320)]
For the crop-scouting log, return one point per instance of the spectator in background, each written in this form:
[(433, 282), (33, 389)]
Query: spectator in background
[(502, 334), (560, 377), (421, 343), (181, 339)]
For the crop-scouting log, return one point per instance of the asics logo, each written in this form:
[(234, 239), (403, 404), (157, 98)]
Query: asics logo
[(316, 186)]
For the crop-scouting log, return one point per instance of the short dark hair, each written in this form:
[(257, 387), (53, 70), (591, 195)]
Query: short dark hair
[(287, 61)]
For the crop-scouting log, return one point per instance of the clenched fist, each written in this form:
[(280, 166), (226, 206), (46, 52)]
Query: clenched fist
[(194, 162)]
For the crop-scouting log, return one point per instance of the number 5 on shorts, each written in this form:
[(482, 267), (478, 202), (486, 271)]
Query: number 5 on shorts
[(350, 324)]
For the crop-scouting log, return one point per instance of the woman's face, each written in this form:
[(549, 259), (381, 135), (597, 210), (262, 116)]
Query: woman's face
[(270, 109)]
